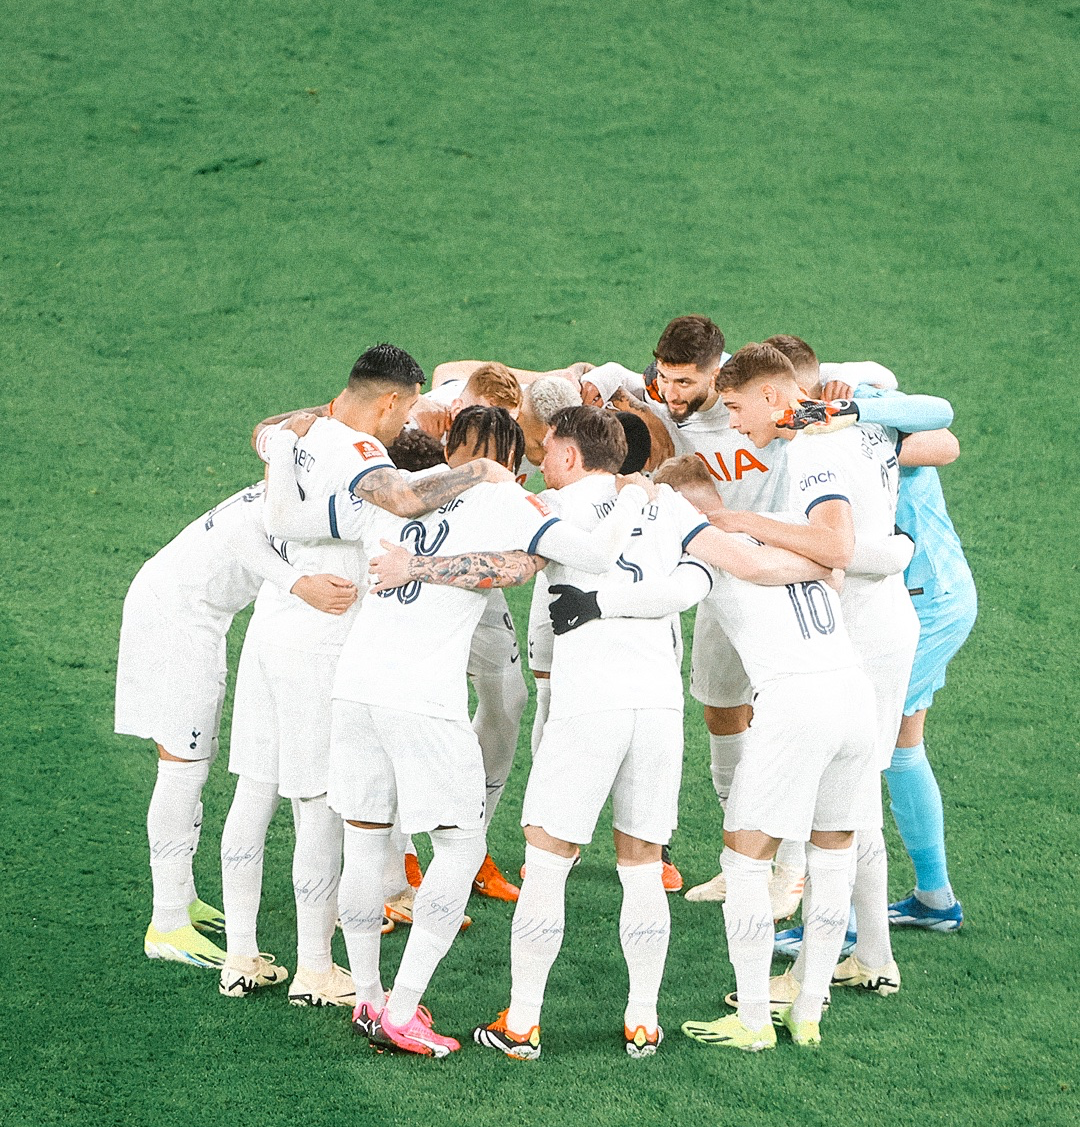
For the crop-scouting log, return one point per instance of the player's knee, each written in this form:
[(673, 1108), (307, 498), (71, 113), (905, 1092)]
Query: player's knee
[(538, 837), (727, 721), (906, 759), (632, 851)]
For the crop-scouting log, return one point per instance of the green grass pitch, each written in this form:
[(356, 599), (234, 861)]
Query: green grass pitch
[(208, 210)]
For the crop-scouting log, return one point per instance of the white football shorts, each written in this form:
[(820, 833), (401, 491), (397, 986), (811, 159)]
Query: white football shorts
[(281, 718), (419, 771), (717, 677), (633, 755), (808, 760), (170, 678)]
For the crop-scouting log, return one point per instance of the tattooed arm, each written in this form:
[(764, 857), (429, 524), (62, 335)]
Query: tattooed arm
[(389, 490), (474, 571)]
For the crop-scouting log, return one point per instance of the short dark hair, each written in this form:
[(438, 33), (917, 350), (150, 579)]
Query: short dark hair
[(414, 450), (488, 424), (386, 363), (596, 433), (638, 442), (795, 349), (754, 362), (693, 339)]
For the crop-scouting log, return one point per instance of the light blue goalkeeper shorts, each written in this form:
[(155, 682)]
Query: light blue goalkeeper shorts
[(944, 624)]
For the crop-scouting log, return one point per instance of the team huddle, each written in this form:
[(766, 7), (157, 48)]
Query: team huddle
[(796, 505)]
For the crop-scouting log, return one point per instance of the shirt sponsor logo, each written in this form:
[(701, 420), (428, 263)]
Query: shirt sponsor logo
[(744, 463), (367, 450), (812, 479)]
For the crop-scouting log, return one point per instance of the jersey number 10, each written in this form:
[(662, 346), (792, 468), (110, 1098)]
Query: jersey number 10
[(812, 607)]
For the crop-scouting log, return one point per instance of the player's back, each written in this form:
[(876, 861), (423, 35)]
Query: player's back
[(198, 575), (410, 646), (329, 458), (622, 662), (780, 631)]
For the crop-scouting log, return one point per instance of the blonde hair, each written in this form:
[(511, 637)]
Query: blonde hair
[(688, 469), (495, 384)]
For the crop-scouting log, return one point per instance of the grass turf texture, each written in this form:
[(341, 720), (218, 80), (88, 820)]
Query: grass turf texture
[(208, 213)]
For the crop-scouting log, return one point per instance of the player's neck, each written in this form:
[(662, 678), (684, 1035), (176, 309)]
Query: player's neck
[(355, 413)]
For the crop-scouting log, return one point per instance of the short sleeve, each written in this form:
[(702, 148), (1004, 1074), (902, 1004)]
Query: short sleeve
[(370, 455), (689, 520), (525, 517), (815, 476)]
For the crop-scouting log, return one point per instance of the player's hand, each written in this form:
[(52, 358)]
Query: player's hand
[(816, 416), (300, 423), (493, 471), (432, 418), (389, 571), (329, 593), (571, 608), (837, 389), (650, 487), (836, 579), (577, 370), (590, 395), (727, 520)]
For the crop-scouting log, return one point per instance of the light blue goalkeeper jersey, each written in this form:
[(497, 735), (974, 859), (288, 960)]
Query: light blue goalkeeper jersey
[(938, 565)]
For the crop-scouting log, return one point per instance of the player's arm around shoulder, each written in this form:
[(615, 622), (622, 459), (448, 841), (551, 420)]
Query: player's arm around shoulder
[(384, 486), (766, 565)]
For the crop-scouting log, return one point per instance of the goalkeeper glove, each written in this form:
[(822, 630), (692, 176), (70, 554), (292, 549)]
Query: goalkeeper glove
[(815, 416)]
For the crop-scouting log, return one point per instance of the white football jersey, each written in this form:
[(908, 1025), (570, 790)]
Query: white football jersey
[(747, 478), (621, 662), (409, 648), (858, 465), (329, 458), (778, 631), (215, 566)]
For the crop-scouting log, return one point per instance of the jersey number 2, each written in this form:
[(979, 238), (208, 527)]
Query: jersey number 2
[(418, 534)]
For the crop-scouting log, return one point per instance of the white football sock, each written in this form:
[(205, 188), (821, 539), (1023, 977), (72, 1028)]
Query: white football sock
[(394, 878), (171, 833), (870, 899), (725, 752), (360, 907), (316, 871), (749, 925), (644, 928), (791, 856), (543, 703), (536, 934), (826, 904), (500, 701), (242, 842), (438, 911), (192, 895)]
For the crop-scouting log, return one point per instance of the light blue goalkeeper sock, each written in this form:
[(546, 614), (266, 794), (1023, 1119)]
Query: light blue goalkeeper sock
[(920, 818)]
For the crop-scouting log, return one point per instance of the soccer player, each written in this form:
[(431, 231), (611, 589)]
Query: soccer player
[(281, 720), (490, 385), (633, 733), (404, 751), (806, 772), (170, 684), (847, 487), (943, 592)]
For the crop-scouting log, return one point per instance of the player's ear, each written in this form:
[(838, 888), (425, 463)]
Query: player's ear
[(455, 407)]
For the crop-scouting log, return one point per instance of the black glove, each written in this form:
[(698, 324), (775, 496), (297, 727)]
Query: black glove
[(572, 607)]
